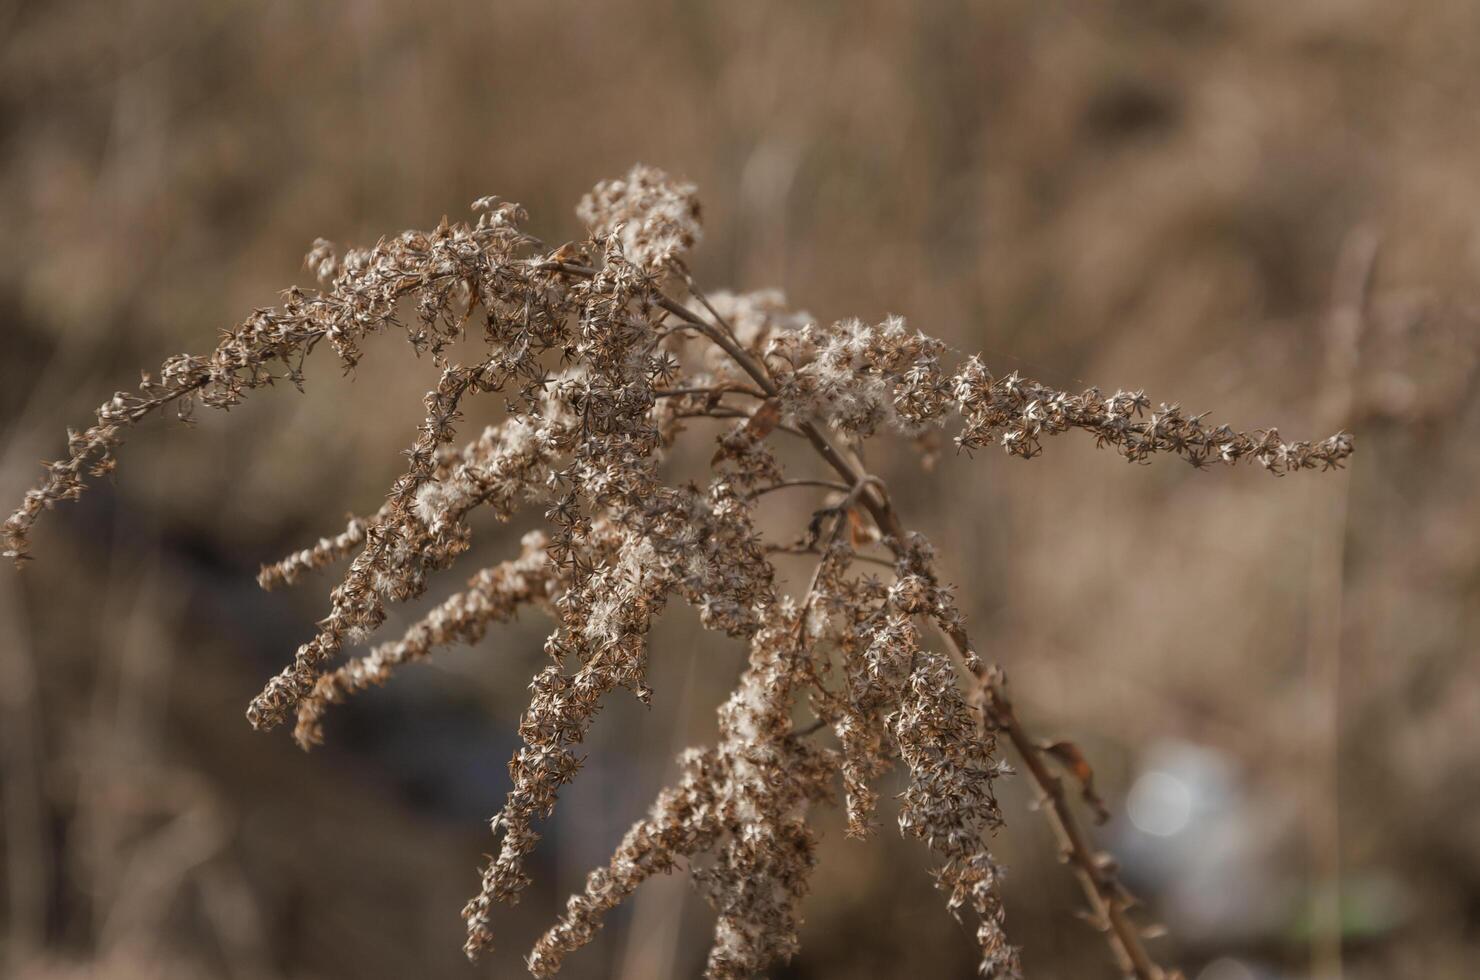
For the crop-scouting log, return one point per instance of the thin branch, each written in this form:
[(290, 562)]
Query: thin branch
[(724, 412), (807, 730), (716, 390), (1109, 901), (784, 484), (786, 549)]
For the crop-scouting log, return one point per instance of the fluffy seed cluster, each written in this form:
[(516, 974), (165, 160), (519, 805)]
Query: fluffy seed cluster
[(864, 673), (654, 219)]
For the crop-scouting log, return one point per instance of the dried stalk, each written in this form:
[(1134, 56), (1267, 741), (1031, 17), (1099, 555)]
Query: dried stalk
[(1109, 902), (585, 444)]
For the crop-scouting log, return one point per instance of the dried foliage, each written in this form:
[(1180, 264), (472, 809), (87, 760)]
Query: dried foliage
[(601, 369)]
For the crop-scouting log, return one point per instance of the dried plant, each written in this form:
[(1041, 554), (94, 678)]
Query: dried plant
[(604, 350)]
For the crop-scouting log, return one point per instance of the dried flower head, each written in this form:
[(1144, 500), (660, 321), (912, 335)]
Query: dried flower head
[(655, 219), (883, 664)]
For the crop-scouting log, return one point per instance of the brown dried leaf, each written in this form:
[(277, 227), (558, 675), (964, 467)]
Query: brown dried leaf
[(763, 420), (1068, 755)]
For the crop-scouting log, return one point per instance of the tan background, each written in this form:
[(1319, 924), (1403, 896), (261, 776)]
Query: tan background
[(1127, 194)]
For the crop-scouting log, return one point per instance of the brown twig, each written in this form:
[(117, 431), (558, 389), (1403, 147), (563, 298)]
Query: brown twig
[(725, 412), (784, 549), (785, 484), (1109, 901), (715, 390)]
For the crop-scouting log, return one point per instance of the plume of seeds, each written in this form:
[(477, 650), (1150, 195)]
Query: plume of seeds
[(647, 360)]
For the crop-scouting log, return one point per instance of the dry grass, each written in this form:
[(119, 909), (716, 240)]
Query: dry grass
[(586, 442), (1084, 192)]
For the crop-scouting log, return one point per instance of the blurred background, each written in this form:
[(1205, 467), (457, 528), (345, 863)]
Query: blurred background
[(1266, 211)]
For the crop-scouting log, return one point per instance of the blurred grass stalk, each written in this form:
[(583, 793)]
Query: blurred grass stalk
[(1348, 315)]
